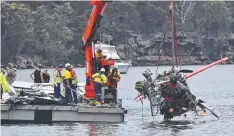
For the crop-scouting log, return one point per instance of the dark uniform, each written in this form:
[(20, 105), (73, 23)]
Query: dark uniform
[(37, 76)]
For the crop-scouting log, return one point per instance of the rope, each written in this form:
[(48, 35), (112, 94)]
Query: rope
[(176, 47), (160, 49), (142, 104), (76, 93)]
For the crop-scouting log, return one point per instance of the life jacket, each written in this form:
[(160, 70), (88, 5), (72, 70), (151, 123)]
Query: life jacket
[(37, 76), (3, 82), (115, 75)]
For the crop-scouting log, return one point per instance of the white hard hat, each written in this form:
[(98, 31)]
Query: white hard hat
[(67, 65), (102, 70), (115, 66)]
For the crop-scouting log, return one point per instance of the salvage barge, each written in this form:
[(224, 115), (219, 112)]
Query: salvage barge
[(59, 113), (36, 110), (37, 105)]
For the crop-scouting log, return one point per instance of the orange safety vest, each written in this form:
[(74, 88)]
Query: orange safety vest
[(115, 79)]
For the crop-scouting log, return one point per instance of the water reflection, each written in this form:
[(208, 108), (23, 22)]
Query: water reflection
[(102, 129), (69, 128), (172, 124), (92, 129)]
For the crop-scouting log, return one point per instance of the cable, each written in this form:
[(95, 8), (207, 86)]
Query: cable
[(160, 49)]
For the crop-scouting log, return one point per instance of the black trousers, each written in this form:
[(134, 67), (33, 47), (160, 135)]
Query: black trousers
[(68, 97)]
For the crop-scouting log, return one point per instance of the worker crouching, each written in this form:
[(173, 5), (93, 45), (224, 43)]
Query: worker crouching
[(114, 77), (99, 81)]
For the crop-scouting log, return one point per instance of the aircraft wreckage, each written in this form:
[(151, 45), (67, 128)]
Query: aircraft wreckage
[(169, 92)]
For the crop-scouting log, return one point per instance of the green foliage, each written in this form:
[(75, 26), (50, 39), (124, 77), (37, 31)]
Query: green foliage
[(51, 31), (213, 18)]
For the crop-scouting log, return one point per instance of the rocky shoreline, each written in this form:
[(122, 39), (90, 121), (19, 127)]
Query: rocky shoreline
[(194, 49), (32, 66), (135, 63)]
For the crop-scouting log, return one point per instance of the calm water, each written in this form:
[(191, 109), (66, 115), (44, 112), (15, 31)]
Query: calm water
[(215, 86)]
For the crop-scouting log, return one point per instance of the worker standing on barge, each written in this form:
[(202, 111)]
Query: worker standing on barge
[(45, 76), (3, 83), (99, 57), (57, 79), (99, 81), (74, 84), (114, 77), (40, 76), (36, 75), (67, 83)]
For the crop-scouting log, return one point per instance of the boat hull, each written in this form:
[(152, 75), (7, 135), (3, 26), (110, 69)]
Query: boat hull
[(123, 68)]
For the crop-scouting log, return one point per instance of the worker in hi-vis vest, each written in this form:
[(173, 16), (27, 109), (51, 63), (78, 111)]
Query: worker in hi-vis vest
[(3, 83), (74, 84), (99, 57), (56, 80), (114, 77), (67, 82), (99, 81)]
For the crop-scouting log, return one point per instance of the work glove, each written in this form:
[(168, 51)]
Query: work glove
[(55, 84)]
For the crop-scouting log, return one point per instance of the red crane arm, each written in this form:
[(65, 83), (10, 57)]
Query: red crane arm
[(88, 38), (94, 20)]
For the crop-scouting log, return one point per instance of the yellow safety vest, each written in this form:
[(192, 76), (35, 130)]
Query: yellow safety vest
[(74, 78), (74, 81), (100, 78), (57, 78), (4, 83)]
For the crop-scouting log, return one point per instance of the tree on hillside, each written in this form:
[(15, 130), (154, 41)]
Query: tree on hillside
[(51, 31), (212, 18), (184, 10), (14, 30)]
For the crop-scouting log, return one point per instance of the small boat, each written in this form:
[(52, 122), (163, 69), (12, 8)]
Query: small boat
[(110, 52)]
